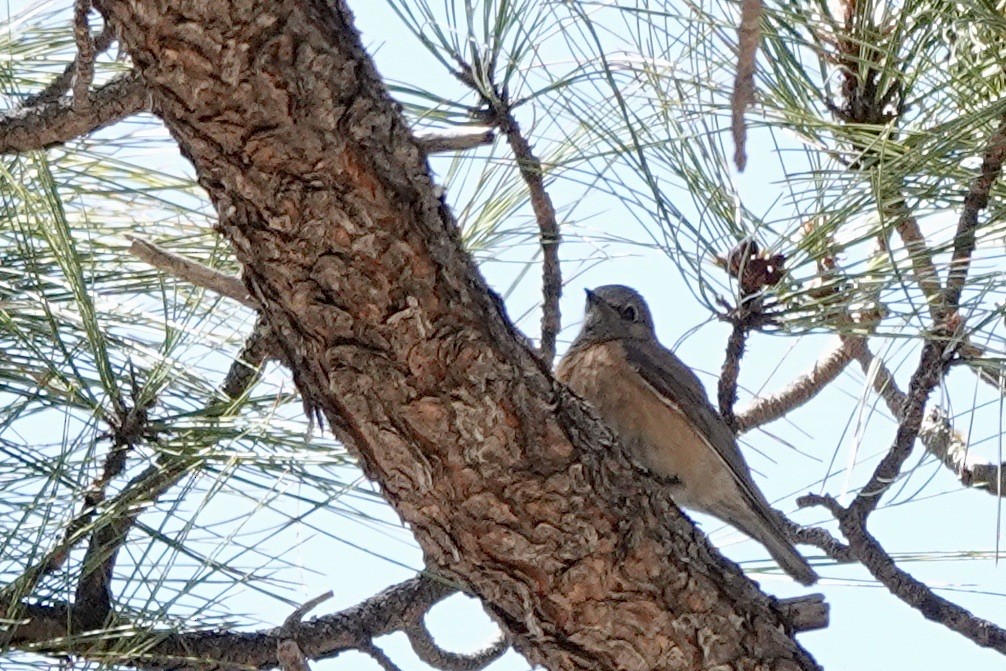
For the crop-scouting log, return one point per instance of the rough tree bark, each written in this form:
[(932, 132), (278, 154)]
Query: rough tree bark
[(510, 486)]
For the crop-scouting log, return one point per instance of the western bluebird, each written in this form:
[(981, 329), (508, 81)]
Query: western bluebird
[(661, 412)]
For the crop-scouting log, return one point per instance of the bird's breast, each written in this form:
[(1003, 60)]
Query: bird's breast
[(652, 427)]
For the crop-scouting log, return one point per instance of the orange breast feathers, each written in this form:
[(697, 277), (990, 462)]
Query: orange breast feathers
[(654, 430)]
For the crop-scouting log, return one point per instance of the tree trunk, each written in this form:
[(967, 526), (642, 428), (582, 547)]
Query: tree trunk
[(510, 487)]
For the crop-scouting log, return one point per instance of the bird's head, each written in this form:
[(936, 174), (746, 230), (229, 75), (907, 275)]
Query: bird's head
[(615, 312)]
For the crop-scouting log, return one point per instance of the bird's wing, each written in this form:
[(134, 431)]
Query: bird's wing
[(671, 378)]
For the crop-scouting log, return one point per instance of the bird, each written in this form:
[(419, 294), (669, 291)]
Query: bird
[(660, 411)]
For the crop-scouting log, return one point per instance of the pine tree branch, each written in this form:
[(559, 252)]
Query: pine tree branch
[(927, 276), (902, 585), (86, 51), (809, 612), (548, 233), (727, 385), (936, 433), (445, 140), (943, 340), (190, 271), (259, 347), (749, 38), (499, 112), (123, 509), (919, 254), (428, 651), (58, 87), (975, 201), (826, 369), (55, 123), (44, 629)]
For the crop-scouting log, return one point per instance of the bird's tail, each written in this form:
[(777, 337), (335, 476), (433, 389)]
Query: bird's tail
[(770, 533)]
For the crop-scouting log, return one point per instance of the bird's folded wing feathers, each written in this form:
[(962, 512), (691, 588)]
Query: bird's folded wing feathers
[(672, 379)]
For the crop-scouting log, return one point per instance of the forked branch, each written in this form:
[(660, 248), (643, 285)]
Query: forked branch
[(902, 585)]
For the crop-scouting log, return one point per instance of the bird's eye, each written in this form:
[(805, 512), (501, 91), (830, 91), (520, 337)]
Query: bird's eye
[(630, 313)]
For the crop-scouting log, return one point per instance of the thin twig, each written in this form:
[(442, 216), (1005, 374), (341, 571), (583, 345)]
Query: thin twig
[(920, 256), (822, 540), (975, 201), (882, 381), (244, 371), (84, 74), (62, 83), (500, 114), (951, 448), (926, 377), (805, 613), (428, 651), (93, 597), (928, 280), (749, 37), (191, 271), (288, 652), (444, 140), (936, 434), (548, 234), (727, 387), (92, 603), (825, 370), (259, 346), (902, 585), (293, 622), (59, 122), (747, 316), (379, 656)]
